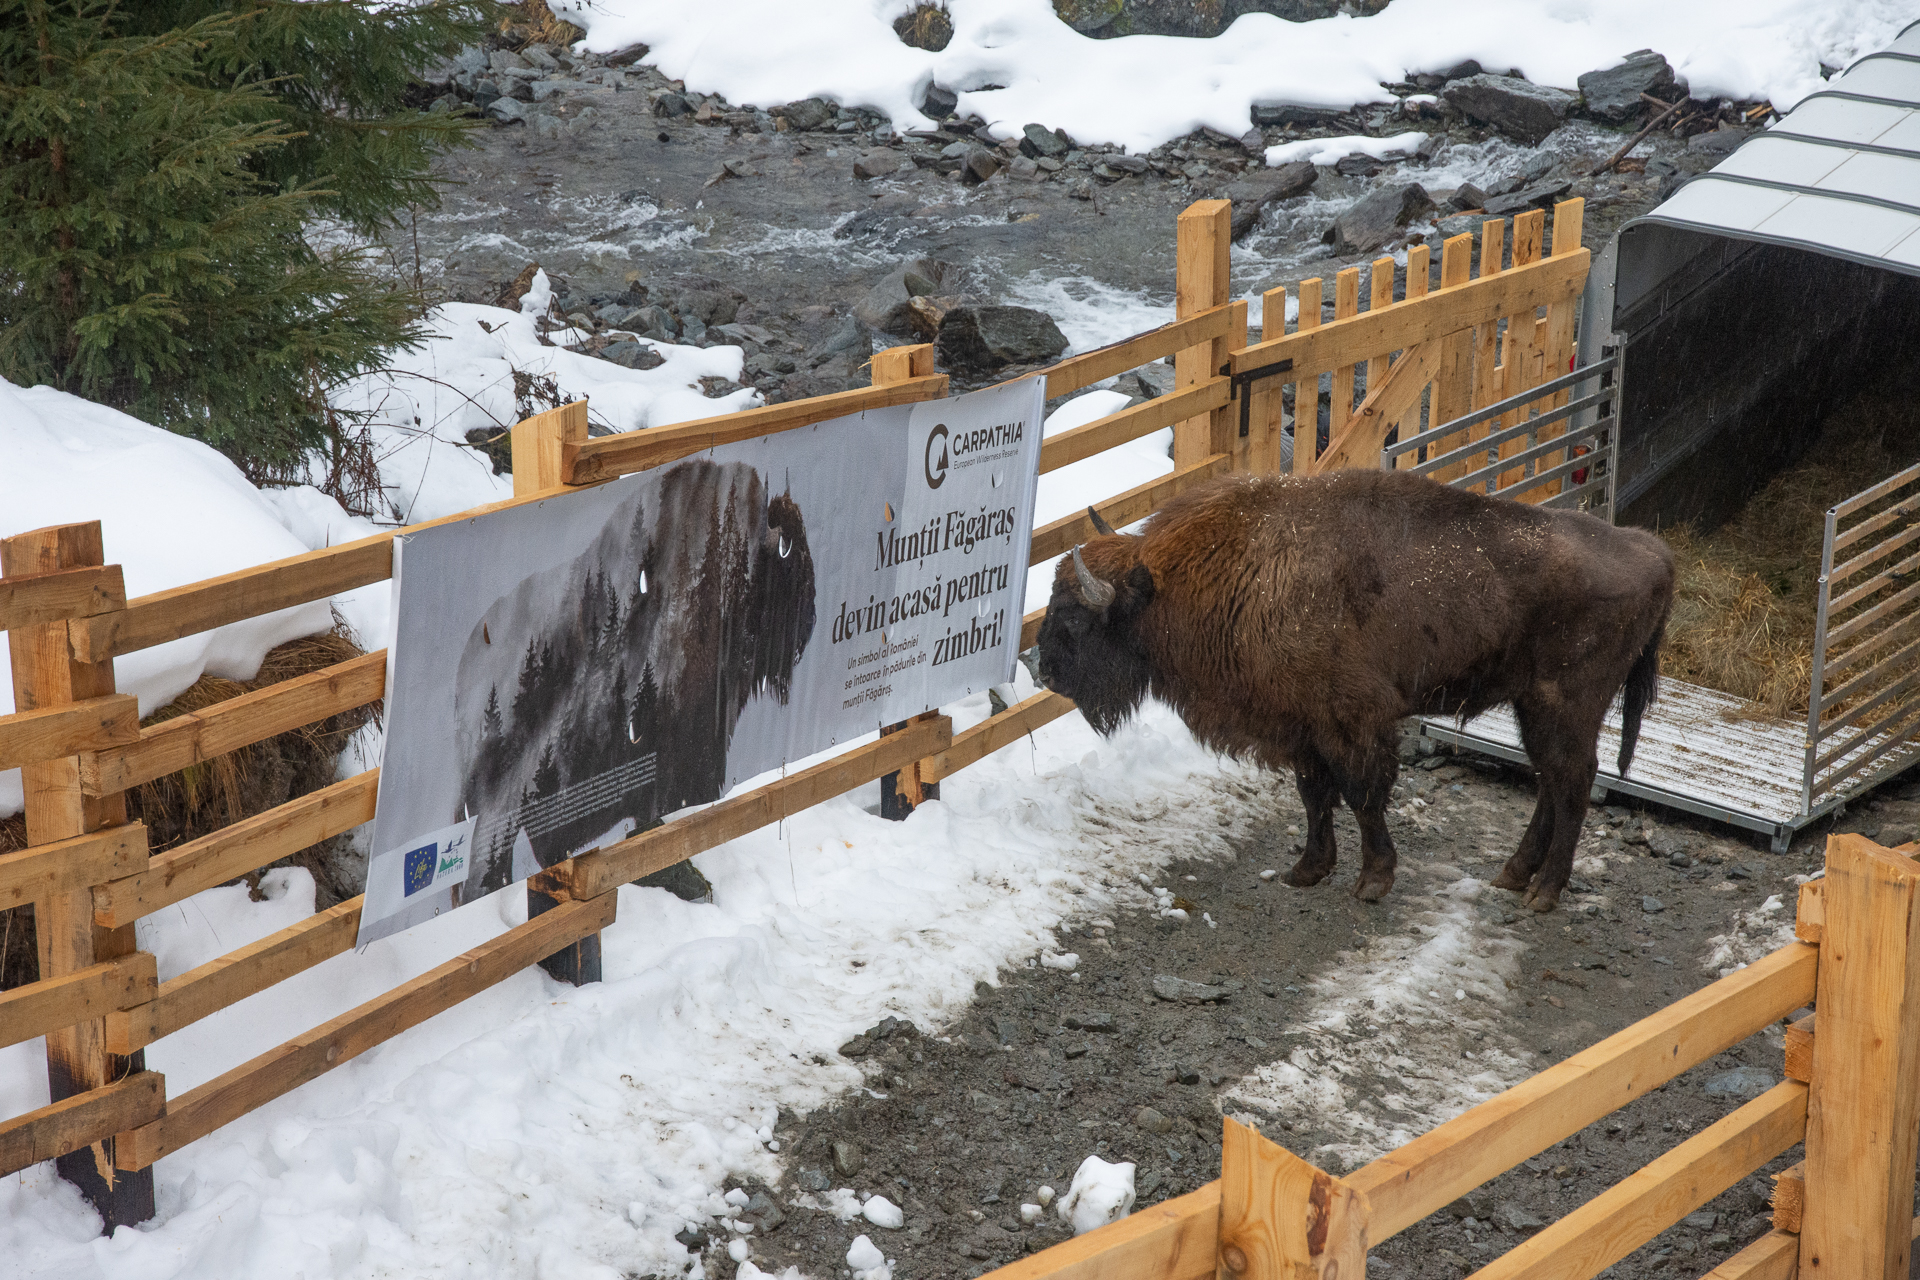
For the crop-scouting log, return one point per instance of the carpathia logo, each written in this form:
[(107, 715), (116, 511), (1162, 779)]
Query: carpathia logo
[(936, 460)]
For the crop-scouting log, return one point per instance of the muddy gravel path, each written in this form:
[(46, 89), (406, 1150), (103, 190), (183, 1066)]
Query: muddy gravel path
[(1341, 1029)]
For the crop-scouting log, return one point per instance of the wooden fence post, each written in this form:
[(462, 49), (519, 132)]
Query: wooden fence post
[(1203, 238), (1306, 393), (46, 675), (903, 790), (1283, 1219), (1863, 1102), (1260, 453), (537, 466)]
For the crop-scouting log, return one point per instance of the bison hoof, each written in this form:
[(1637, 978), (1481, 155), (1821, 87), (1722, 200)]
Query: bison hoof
[(1542, 899), (1511, 879), (1305, 875), (1372, 888)]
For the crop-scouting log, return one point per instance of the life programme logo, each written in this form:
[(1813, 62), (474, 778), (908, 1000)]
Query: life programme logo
[(936, 462)]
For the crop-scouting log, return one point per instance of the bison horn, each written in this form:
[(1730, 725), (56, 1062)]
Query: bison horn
[(1095, 592), (1099, 525)]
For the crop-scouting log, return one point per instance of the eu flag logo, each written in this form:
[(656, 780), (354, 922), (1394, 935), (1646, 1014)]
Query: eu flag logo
[(418, 871)]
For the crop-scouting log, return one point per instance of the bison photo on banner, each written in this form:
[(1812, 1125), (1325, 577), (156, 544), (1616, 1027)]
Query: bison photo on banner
[(566, 673)]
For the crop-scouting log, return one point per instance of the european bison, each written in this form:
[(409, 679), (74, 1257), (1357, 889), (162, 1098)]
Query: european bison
[(1298, 620)]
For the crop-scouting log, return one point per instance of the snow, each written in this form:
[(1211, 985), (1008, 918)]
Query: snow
[(1100, 1193), (1140, 91), (882, 1212), (1325, 151), (866, 1260)]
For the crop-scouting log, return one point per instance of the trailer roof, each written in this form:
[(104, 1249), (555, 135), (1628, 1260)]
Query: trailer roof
[(1838, 175)]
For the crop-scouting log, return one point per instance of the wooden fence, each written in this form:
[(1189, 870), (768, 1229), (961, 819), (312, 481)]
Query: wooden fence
[(1848, 1094), (91, 874)]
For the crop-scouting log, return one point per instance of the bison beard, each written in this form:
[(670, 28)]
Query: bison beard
[(1297, 621)]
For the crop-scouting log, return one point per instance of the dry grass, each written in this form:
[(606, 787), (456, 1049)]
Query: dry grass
[(1744, 610), (531, 22), (205, 797), (928, 25)]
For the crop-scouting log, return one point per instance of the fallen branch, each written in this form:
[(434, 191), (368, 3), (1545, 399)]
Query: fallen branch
[(1641, 136)]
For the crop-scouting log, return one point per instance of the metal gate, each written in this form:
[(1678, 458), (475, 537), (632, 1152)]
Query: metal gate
[(1701, 750)]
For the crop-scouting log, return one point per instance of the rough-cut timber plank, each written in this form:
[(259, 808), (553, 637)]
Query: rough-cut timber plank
[(1800, 1050), (231, 978), (995, 732), (1864, 1109), (174, 744), (1202, 235), (1130, 424), (616, 455), (212, 602), (1116, 358), (592, 874), (1446, 310), (80, 1121), (1790, 1198), (200, 1111), (29, 737), (1176, 1239), (1281, 1217), (536, 444), (64, 593), (1358, 444), (1810, 920), (1068, 532), (53, 1004), (1445, 1163), (1646, 1202), (1030, 628), (235, 850), (1774, 1256), (73, 864)]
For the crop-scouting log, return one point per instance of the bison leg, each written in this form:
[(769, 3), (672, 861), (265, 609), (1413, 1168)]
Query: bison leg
[(1560, 740), (1367, 789), (1319, 792)]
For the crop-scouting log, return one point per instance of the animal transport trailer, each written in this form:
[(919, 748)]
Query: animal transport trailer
[(1700, 750)]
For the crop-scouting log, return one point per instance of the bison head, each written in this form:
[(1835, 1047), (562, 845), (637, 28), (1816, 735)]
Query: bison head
[(782, 597), (1090, 645)]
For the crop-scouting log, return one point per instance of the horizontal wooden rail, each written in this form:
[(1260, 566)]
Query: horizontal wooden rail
[(973, 745), (174, 744), (1030, 629), (1130, 424), (52, 1004), (1116, 358), (46, 870), (81, 1121), (616, 455), (591, 875), (231, 978), (246, 593), (1646, 1202), (1177, 1239), (29, 737), (200, 1111), (30, 598), (1433, 1170), (1774, 1256), (1449, 310), (1063, 535), (235, 850)]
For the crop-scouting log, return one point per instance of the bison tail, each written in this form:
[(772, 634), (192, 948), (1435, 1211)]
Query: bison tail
[(1643, 682)]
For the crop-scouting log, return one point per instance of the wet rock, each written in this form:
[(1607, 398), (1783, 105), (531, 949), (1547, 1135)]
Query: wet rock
[(507, 111), (1037, 140), (1184, 1074), (1378, 219), (1146, 383), (632, 355), (1253, 193), (1524, 111), (1023, 167), (1742, 1083), (939, 103), (708, 306), (987, 337), (671, 105), (683, 880), (1268, 115), (1614, 93), (1101, 1022), (808, 114), (1466, 197), (1538, 194), (848, 1159), (692, 1240), (1135, 165), (1652, 905), (1702, 1220), (1181, 990), (879, 164), (505, 60), (1477, 1203), (979, 165), (812, 1180), (851, 336), (1517, 1217)]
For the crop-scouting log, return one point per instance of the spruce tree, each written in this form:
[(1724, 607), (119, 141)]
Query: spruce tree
[(161, 166)]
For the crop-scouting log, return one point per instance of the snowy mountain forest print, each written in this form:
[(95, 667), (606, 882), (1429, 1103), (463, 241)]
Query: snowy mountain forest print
[(594, 720)]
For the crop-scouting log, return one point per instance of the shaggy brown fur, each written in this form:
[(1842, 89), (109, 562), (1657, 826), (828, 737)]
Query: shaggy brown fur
[(1297, 621)]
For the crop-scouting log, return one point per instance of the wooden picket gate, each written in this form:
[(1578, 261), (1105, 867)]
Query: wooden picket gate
[(1849, 1095), (91, 874)]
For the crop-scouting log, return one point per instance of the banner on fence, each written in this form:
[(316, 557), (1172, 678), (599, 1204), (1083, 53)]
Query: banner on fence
[(566, 673)]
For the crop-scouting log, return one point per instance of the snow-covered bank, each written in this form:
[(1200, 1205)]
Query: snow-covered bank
[(1140, 91)]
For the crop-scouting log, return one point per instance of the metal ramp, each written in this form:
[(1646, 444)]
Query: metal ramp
[(1700, 752)]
